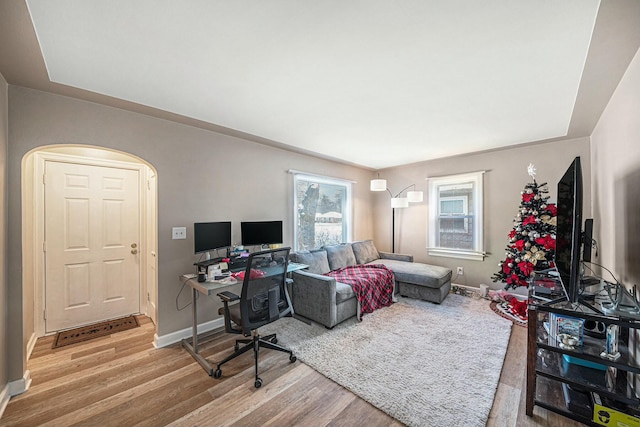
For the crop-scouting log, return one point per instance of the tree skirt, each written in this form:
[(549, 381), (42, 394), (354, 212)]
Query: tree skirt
[(504, 309)]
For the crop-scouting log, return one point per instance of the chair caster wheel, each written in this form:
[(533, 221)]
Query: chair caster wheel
[(258, 383), (217, 373), (274, 341), (292, 358)]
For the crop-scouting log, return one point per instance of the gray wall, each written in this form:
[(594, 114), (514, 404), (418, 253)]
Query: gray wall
[(506, 176), (202, 176), (4, 315), (615, 145)]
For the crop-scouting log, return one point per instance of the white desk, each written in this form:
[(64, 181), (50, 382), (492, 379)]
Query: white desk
[(205, 288), (210, 288)]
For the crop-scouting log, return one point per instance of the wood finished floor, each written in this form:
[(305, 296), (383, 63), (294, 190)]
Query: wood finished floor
[(122, 380)]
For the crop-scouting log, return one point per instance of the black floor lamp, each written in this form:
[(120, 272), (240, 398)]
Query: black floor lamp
[(397, 202)]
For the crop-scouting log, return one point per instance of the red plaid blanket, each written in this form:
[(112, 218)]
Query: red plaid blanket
[(372, 284)]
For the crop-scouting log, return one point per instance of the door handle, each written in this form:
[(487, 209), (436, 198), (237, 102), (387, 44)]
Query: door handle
[(134, 251)]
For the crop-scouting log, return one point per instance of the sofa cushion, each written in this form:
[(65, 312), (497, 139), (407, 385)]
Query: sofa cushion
[(316, 260), (340, 256), (365, 251), (417, 273), (343, 292)]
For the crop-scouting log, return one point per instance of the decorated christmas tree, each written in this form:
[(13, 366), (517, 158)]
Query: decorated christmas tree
[(532, 241)]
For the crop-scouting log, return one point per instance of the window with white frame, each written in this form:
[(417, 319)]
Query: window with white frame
[(322, 211), (456, 209), (455, 216)]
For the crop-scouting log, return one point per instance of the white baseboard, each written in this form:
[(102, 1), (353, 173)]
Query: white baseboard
[(177, 336), (4, 399), (13, 388), (31, 345), (20, 386)]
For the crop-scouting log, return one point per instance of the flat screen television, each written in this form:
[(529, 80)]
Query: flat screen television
[(261, 232), (569, 236), (208, 236)]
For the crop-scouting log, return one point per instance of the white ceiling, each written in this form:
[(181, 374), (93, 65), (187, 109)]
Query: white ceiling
[(375, 83)]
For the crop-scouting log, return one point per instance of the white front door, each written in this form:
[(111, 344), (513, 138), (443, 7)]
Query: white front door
[(92, 269), (152, 259)]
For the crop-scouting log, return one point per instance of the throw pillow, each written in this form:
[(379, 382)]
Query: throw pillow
[(340, 256), (365, 251), (316, 260)]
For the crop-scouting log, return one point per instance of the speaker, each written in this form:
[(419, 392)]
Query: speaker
[(594, 328)]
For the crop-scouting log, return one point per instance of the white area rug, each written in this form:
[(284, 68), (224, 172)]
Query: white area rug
[(422, 363)]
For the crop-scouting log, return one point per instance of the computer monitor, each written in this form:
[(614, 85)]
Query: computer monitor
[(208, 236), (261, 232)]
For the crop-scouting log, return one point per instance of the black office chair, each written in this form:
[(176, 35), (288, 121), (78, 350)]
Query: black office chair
[(264, 299)]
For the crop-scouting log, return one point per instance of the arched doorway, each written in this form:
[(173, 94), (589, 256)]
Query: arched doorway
[(34, 212)]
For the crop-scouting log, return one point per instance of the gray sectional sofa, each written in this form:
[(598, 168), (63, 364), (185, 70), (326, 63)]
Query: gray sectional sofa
[(325, 301)]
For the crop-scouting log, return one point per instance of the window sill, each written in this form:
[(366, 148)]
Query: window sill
[(453, 253)]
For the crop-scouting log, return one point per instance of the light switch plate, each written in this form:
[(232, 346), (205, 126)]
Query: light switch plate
[(179, 233)]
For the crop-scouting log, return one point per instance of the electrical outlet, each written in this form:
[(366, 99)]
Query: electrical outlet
[(460, 271), (179, 233)]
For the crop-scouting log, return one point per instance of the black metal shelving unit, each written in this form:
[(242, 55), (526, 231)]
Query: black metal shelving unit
[(550, 375)]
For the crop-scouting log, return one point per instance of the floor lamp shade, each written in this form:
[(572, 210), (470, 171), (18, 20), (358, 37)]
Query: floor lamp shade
[(396, 202), (399, 202), (378, 185), (414, 196)]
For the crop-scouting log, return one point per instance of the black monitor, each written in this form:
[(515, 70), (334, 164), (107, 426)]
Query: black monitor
[(261, 232), (208, 236), (569, 235)]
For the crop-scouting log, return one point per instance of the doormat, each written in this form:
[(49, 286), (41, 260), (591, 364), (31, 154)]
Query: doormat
[(96, 330)]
